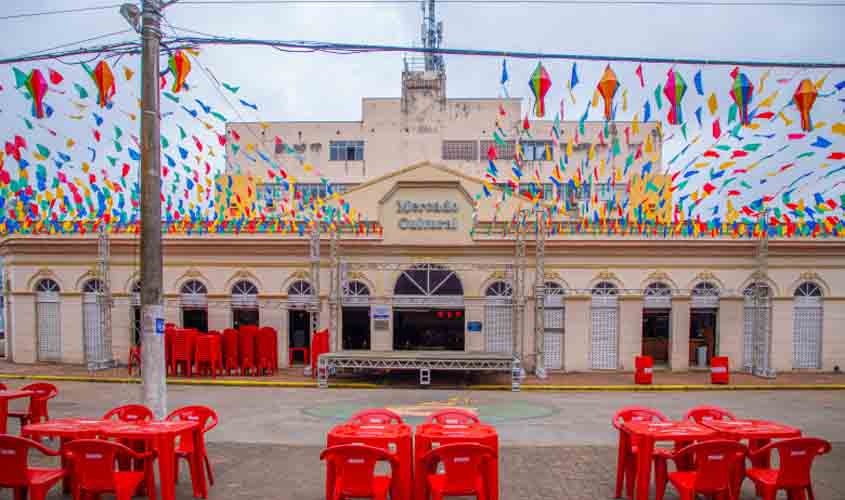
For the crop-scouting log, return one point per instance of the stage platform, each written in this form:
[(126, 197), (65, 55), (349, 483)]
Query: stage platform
[(424, 361)]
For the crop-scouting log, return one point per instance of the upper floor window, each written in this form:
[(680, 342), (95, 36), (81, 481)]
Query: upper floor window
[(503, 151), (311, 190), (460, 150), (537, 150), (346, 151), (343, 187), (269, 193)]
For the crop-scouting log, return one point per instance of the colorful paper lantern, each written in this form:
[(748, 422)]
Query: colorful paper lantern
[(674, 91), (804, 98), (180, 66), (104, 79), (540, 84), (37, 87), (607, 87), (742, 92)]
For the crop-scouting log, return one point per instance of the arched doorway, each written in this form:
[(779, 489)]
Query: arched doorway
[(554, 316), (300, 295), (92, 334), (604, 343), (807, 327), (429, 309), (194, 298), (136, 313), (244, 304), (657, 321), (704, 321), (356, 315), (757, 307), (48, 318), (498, 314)]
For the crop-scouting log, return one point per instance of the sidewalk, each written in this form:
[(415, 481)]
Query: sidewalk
[(294, 377)]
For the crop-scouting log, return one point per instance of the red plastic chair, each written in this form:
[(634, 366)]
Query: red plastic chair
[(182, 351), (376, 416), (354, 471), (93, 462), (169, 333), (701, 414), (231, 356), (265, 348), (796, 457), (712, 473), (463, 470), (15, 472), (246, 349), (130, 413), (453, 416), (134, 359), (36, 412), (3, 387), (208, 419), (626, 462), (207, 354), (271, 332)]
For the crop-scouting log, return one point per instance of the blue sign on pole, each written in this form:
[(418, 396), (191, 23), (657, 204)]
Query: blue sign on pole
[(474, 326)]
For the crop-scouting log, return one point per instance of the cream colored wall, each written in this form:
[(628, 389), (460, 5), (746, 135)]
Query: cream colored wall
[(630, 330), (22, 329), (71, 329), (782, 333), (833, 339), (731, 329), (578, 325), (679, 334)]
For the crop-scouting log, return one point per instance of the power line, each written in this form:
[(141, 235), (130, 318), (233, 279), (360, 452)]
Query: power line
[(668, 3), (78, 42), (56, 12)]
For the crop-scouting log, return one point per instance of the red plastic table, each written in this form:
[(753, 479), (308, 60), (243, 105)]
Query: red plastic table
[(429, 436), (162, 437), (5, 397), (757, 432), (66, 429), (648, 433), (395, 438)]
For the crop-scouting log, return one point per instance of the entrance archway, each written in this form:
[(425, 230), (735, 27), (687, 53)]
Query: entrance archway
[(92, 331), (48, 314), (657, 321), (356, 315), (300, 294), (752, 307), (704, 321), (604, 343), (429, 309), (194, 298), (554, 315)]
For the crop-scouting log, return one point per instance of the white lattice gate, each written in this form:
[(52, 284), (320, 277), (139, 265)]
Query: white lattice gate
[(49, 330), (604, 338), (498, 333), (553, 337), (807, 333)]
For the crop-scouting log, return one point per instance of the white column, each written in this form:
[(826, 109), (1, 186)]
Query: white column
[(833, 342), (22, 328), (630, 330), (576, 336), (731, 330), (679, 335), (70, 310), (782, 332)]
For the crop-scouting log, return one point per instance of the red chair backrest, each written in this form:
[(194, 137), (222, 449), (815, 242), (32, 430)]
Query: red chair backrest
[(701, 414), (202, 414), (453, 416), (14, 463), (130, 413), (246, 344), (94, 462), (355, 465), (376, 416), (230, 343), (462, 464), (182, 344), (796, 457), (637, 414), (203, 348), (38, 402), (714, 463)]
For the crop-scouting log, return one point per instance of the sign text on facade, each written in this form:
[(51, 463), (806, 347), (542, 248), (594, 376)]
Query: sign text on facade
[(427, 207)]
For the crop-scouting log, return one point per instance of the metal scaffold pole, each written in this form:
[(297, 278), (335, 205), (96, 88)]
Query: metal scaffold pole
[(335, 291), (540, 298), (518, 294), (314, 304), (103, 356), (762, 359)]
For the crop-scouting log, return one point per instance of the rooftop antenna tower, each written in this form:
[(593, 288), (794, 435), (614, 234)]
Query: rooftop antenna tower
[(432, 37)]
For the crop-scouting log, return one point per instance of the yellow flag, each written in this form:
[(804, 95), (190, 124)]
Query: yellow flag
[(569, 146), (625, 100), (786, 120), (264, 125), (307, 167), (820, 125), (250, 147), (701, 164), (595, 98), (592, 152), (820, 81), (712, 104), (70, 143), (128, 73), (838, 128), (753, 126), (635, 125), (60, 193), (193, 52), (38, 156), (648, 147), (601, 168), (767, 102), (86, 167)]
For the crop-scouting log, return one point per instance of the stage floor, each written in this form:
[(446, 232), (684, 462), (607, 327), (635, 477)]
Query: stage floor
[(420, 355)]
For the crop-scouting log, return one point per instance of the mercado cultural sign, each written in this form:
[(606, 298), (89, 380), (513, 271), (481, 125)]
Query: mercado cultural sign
[(427, 207)]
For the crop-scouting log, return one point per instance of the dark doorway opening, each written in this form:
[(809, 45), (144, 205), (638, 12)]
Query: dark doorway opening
[(428, 330), (656, 334), (242, 317), (356, 328), (703, 333), (299, 328), (195, 318), (136, 325)]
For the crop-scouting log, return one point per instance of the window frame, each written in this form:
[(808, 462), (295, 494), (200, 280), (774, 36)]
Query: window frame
[(342, 150), (460, 147)]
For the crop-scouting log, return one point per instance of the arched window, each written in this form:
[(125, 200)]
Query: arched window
[(244, 295), (658, 295), (605, 288), (751, 290), (300, 287), (757, 308), (604, 337), (47, 307), (194, 295), (658, 289), (499, 289), (808, 289), (428, 280), (553, 288), (93, 286), (705, 295), (355, 293)]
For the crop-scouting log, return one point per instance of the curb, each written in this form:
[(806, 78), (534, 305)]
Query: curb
[(200, 382)]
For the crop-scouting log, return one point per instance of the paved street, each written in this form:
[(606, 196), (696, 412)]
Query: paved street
[(554, 445)]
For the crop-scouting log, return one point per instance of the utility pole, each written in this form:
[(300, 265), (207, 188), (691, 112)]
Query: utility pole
[(540, 297)]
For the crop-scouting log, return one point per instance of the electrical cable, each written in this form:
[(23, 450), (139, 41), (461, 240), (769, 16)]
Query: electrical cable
[(668, 3), (70, 44), (56, 12)]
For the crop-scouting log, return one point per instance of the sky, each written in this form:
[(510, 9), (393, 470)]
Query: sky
[(288, 86)]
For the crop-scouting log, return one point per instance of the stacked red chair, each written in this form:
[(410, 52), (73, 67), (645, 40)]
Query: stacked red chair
[(626, 463), (353, 467), (246, 348), (376, 416), (795, 459), (231, 353), (134, 359), (207, 418), (16, 474), (36, 411), (94, 469), (464, 466), (265, 351), (207, 355), (712, 471), (169, 332), (272, 333), (182, 351)]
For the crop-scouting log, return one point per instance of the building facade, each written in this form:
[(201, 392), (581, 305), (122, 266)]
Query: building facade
[(432, 266)]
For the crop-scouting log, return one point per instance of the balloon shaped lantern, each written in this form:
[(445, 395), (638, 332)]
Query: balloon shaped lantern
[(742, 91), (540, 84), (674, 91), (104, 79), (180, 66), (37, 87), (607, 87), (804, 98)]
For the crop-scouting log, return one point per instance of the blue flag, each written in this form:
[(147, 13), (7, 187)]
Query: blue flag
[(698, 86)]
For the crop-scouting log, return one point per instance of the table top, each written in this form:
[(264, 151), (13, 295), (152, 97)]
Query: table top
[(753, 429), (15, 394), (146, 429), (66, 427), (669, 431), (371, 430), (479, 430)]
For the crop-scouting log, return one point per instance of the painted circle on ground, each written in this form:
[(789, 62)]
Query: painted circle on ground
[(417, 411)]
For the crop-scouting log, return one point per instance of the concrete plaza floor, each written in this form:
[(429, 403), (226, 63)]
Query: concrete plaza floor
[(553, 445)]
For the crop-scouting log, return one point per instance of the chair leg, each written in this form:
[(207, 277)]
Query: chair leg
[(810, 494), (661, 473), (630, 474), (21, 493), (620, 468), (150, 480), (208, 470)]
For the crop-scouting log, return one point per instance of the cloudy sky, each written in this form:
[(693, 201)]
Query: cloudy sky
[(329, 87)]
